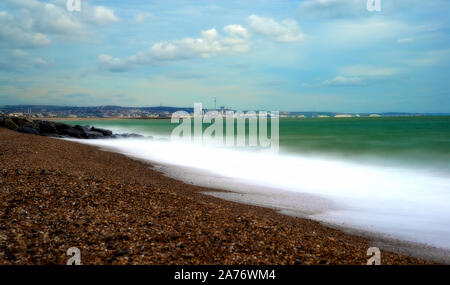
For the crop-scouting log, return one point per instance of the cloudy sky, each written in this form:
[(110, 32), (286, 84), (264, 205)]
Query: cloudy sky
[(311, 55)]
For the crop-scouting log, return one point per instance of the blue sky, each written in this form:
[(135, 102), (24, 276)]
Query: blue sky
[(311, 55)]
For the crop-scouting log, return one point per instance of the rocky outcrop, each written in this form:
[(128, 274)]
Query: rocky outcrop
[(52, 129), (103, 131), (8, 123)]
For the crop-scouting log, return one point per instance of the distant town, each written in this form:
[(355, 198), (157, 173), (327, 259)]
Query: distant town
[(160, 112)]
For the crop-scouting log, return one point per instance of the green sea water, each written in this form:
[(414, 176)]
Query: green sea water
[(413, 141)]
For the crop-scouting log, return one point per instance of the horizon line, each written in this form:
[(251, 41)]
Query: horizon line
[(168, 106)]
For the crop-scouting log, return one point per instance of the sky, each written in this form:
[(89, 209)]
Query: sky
[(278, 55)]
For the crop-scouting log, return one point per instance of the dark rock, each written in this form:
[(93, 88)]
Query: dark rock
[(47, 127), (19, 121), (15, 120), (70, 131), (33, 125), (10, 124), (27, 130), (82, 128), (74, 133), (60, 130), (106, 133), (61, 127)]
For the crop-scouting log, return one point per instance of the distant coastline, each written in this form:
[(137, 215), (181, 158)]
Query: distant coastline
[(50, 112), (99, 118), (168, 118)]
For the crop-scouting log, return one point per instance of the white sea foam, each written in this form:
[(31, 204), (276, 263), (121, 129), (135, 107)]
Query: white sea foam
[(398, 202)]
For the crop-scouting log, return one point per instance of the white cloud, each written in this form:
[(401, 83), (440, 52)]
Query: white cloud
[(19, 60), (342, 81), (430, 58), (112, 64), (17, 32), (40, 62), (210, 44), (100, 15), (31, 23), (358, 74), (368, 71), (284, 31), (235, 39), (236, 30), (210, 34), (19, 53), (363, 32), (405, 41), (142, 17), (55, 20)]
